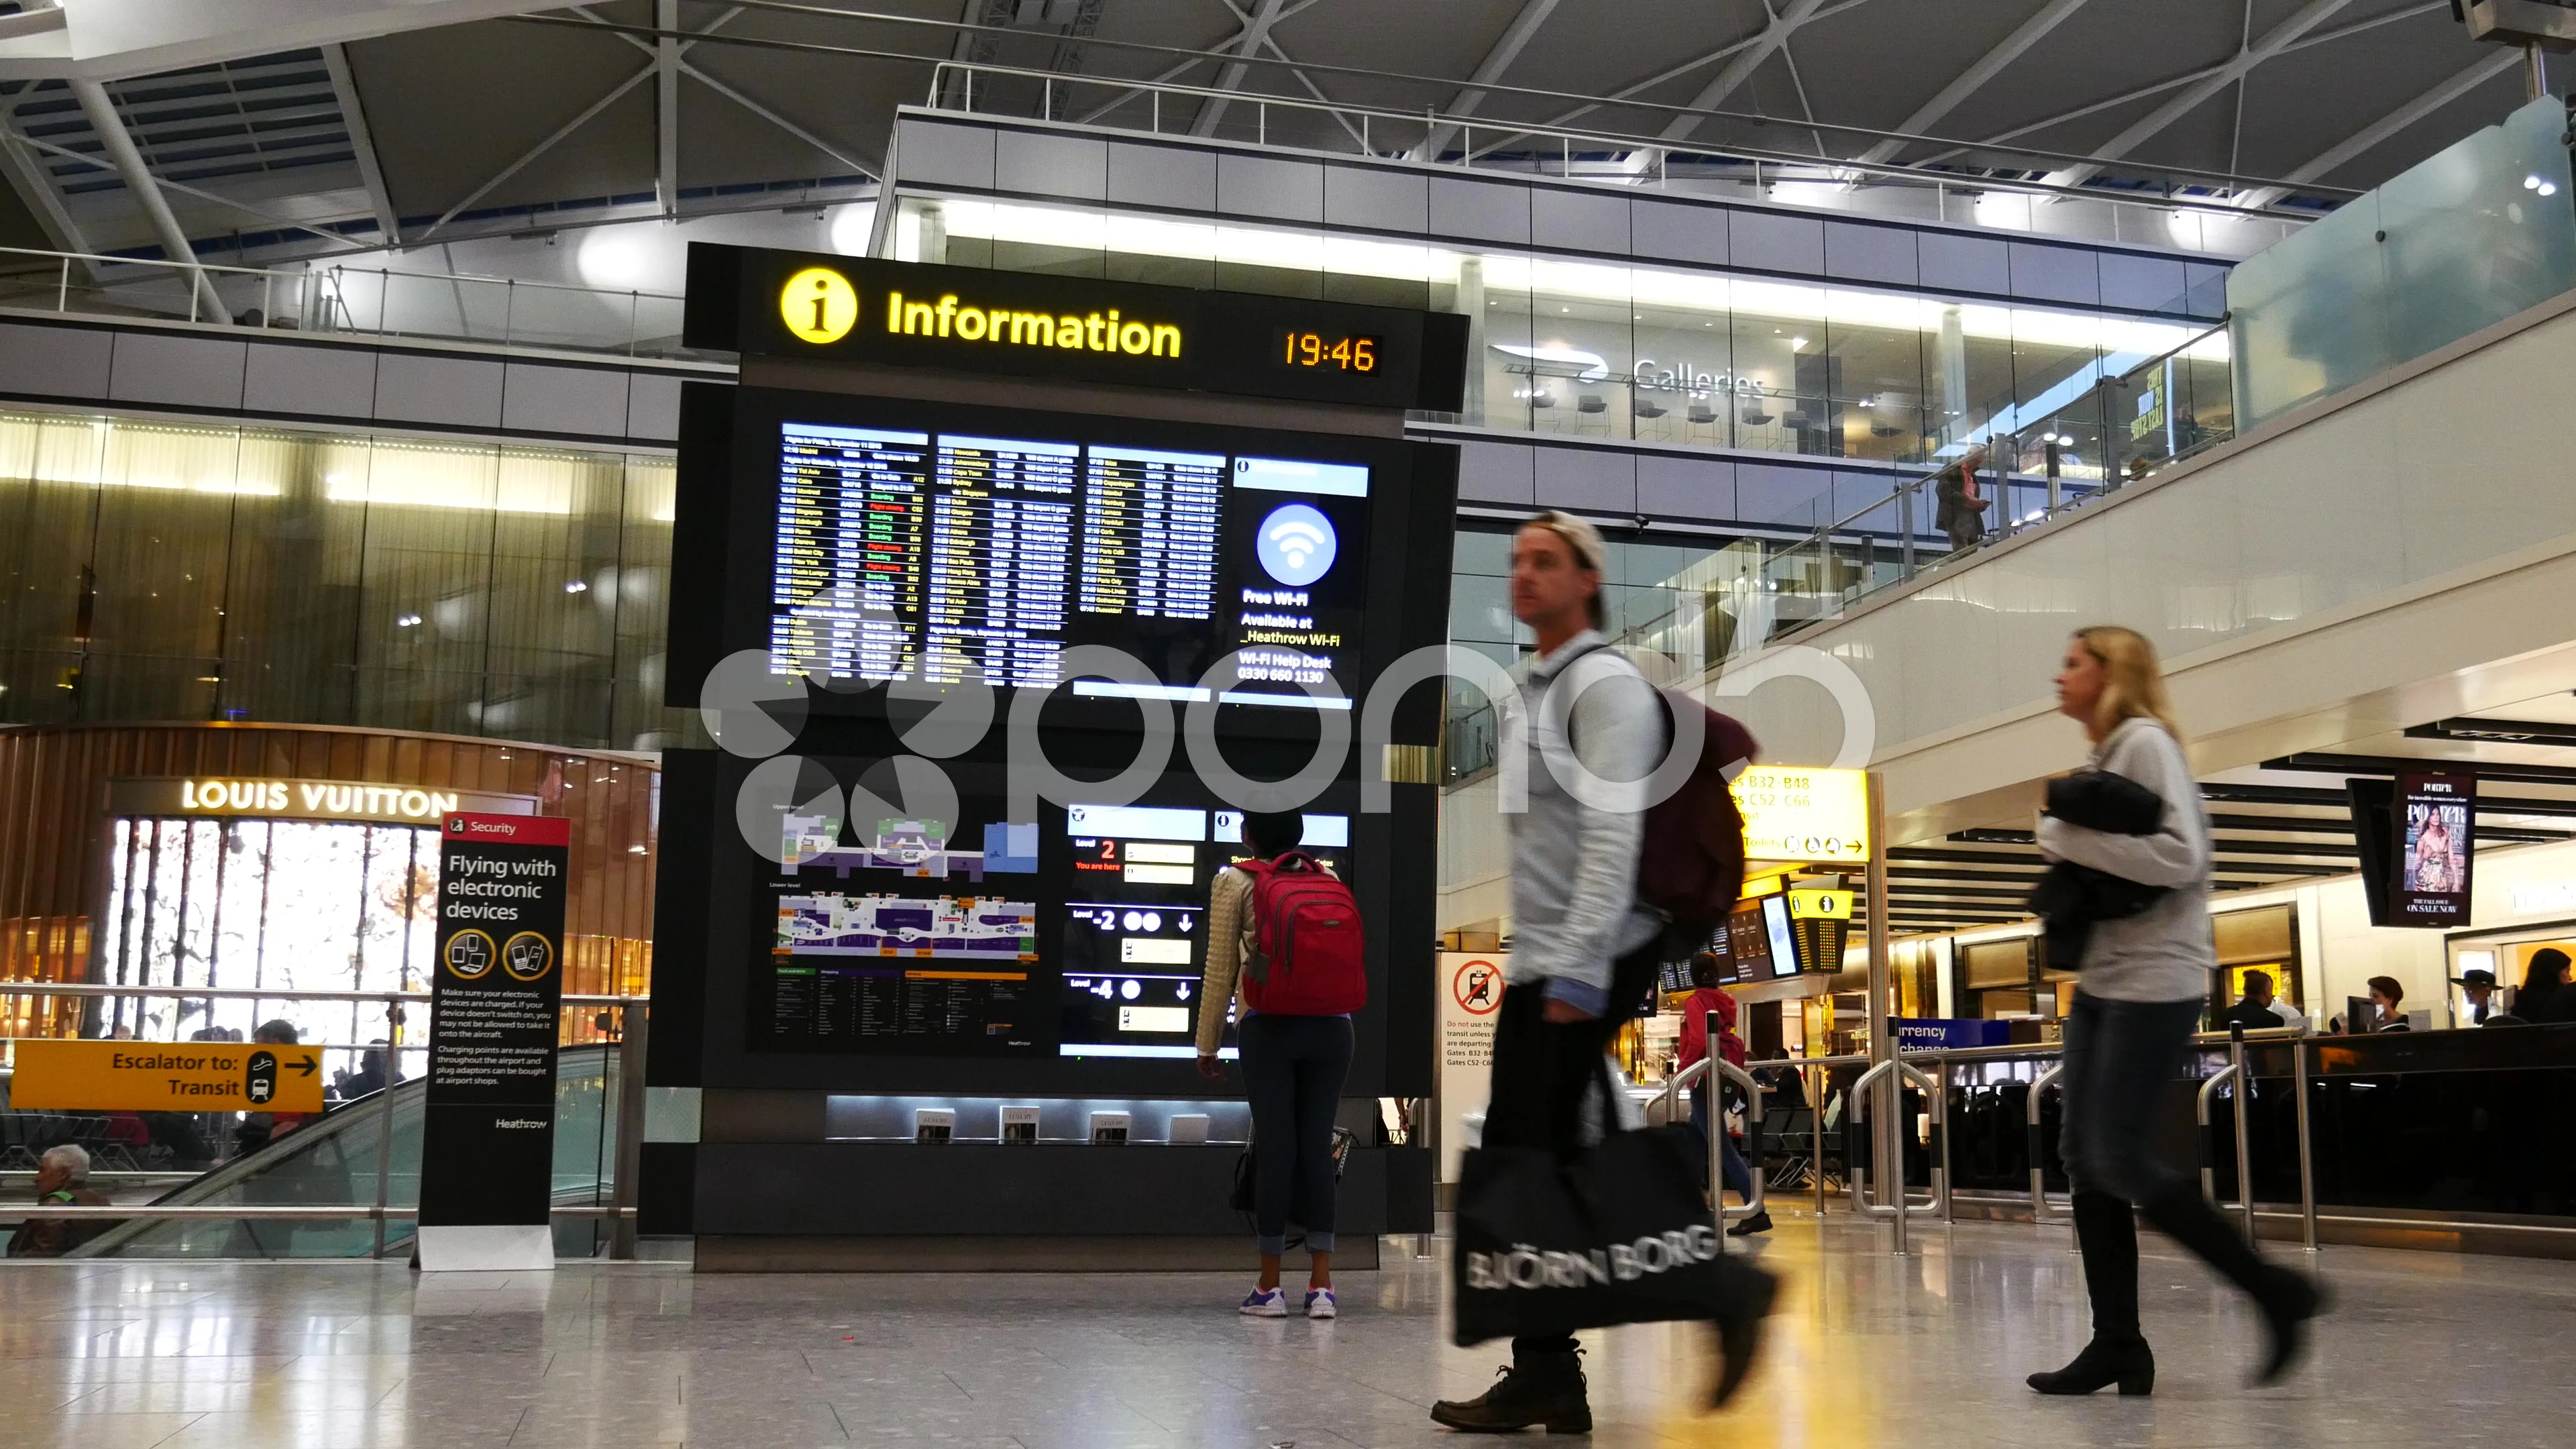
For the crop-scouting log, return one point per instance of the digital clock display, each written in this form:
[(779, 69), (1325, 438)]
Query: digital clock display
[(1336, 352)]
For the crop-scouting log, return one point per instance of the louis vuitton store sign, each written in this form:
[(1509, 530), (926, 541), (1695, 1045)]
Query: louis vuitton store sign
[(274, 799)]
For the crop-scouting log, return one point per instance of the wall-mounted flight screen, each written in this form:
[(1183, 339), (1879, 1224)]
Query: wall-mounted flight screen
[(952, 558)]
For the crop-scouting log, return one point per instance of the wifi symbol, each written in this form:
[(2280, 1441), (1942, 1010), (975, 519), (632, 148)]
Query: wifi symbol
[(1297, 544)]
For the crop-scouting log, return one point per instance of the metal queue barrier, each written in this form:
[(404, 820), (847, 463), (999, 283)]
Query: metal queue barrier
[(629, 1109), (1908, 1069), (1693, 1074), (1886, 1146)]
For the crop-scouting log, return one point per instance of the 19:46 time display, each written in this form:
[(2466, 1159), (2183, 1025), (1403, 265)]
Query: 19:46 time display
[(1341, 354)]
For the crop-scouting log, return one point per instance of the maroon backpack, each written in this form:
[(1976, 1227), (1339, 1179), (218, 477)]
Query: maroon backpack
[(1303, 953), (1690, 865)]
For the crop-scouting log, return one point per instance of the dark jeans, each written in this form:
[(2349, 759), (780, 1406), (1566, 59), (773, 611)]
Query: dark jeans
[(1739, 1177), (2119, 1057), (1544, 1071), (1293, 1068)]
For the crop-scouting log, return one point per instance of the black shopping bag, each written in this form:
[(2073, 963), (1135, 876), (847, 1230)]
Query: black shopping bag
[(1619, 1234)]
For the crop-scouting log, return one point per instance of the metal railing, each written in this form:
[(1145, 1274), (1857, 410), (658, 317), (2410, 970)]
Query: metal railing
[(629, 1111), (1884, 542), (348, 301), (1430, 135)]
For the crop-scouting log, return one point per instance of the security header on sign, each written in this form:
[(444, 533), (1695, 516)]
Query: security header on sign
[(143, 1076)]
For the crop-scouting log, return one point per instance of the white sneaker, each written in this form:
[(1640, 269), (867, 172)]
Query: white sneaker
[(1319, 1303), (1265, 1303)]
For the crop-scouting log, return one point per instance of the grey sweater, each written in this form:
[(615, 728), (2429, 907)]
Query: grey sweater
[(1574, 861), (2164, 953)]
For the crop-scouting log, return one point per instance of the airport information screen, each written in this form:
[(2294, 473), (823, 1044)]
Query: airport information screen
[(1080, 934), (953, 558)]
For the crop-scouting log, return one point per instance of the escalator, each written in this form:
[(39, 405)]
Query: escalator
[(339, 1160)]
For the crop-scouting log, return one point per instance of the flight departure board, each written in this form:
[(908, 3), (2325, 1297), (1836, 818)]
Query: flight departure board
[(954, 558)]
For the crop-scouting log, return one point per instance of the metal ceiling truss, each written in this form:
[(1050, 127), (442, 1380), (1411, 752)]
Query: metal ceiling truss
[(2273, 42), (362, 142)]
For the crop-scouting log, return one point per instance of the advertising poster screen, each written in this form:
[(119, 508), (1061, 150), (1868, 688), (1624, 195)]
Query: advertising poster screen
[(2436, 817)]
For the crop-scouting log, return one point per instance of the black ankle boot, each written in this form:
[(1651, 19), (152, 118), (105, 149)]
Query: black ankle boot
[(1747, 1294), (2107, 1233), (1543, 1389), (2288, 1300), (2131, 1365)]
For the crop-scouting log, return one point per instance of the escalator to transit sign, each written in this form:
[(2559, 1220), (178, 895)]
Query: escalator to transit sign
[(487, 1149)]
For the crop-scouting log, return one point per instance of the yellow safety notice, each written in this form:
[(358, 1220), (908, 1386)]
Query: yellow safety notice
[(145, 1076)]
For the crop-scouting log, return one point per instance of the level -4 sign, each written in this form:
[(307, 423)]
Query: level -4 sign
[(194, 1076)]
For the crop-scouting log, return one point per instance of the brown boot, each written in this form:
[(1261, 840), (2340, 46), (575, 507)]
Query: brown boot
[(1544, 1390)]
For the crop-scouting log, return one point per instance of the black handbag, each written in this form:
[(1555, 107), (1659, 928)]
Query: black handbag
[(1620, 1233)]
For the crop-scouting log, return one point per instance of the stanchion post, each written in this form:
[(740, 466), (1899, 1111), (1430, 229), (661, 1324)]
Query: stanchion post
[(1882, 1036), (2239, 1090), (1816, 1121), (2307, 1159), (633, 1042), (384, 1142)]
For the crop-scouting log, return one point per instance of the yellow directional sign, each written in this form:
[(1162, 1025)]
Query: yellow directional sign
[(1794, 813), (146, 1076)]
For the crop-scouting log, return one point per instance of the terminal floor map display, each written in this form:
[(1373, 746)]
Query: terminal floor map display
[(1078, 935)]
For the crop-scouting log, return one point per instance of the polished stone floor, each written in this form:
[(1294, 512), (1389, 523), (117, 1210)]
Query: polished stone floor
[(1925, 1352)]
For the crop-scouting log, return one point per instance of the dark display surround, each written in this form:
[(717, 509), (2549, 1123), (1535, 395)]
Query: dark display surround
[(763, 1188)]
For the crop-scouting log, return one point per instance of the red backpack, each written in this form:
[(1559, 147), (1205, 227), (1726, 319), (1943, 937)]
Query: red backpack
[(1303, 954)]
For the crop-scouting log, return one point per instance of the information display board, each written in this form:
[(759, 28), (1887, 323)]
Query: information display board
[(954, 546)]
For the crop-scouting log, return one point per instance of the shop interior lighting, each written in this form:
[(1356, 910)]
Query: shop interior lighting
[(576, 587), (407, 621)]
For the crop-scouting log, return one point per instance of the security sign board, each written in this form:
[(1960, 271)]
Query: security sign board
[(1794, 813), (496, 999), (144, 1076)]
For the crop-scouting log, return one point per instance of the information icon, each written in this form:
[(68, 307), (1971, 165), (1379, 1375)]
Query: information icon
[(470, 955), (528, 957)]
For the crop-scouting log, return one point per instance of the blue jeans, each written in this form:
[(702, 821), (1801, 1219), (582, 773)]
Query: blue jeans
[(2119, 1057), (1739, 1178), (1293, 1068)]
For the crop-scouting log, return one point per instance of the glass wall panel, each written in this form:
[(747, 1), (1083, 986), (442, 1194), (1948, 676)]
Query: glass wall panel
[(1604, 350), (161, 571)]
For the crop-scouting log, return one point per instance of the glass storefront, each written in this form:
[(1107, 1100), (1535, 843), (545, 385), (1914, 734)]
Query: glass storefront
[(183, 571), (279, 905)]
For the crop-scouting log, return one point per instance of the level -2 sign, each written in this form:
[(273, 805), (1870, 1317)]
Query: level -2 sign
[(146, 1076)]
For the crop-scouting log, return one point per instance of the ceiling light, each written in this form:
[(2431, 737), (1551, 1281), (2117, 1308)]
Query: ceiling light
[(576, 587), (407, 621), (2531, 183), (2547, 188), (1797, 342)]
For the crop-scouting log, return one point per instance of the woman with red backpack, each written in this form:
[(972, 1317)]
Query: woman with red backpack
[(1710, 997), (1284, 939)]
